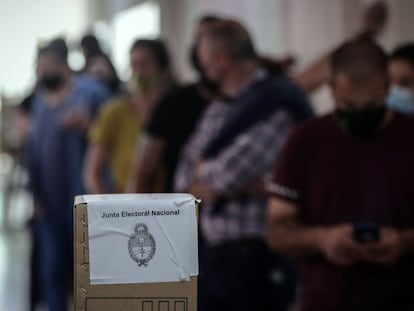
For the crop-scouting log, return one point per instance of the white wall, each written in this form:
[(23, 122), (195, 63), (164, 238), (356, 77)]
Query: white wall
[(25, 24), (140, 21), (305, 28), (401, 23)]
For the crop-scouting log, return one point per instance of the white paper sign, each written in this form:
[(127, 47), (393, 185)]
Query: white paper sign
[(142, 238)]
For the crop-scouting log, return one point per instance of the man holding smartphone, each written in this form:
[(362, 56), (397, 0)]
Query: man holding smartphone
[(342, 199)]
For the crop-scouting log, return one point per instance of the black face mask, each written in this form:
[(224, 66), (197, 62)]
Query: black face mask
[(363, 123), (51, 82)]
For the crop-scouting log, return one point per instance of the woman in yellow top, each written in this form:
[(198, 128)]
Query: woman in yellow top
[(114, 135)]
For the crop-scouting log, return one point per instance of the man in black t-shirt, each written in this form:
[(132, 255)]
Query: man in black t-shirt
[(171, 124)]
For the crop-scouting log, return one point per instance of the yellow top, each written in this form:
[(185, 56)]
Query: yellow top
[(117, 128)]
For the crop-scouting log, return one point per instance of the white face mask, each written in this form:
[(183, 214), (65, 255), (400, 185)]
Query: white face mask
[(401, 99)]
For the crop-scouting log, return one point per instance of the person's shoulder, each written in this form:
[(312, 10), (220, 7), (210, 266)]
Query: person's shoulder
[(279, 88), (115, 106), (87, 84), (281, 81), (317, 124), (313, 129)]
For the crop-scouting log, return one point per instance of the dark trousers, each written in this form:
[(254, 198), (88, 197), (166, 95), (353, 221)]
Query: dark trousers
[(35, 297), (245, 275), (56, 261)]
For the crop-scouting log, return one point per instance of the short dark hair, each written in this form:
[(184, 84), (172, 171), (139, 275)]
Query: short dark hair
[(91, 45), (158, 49), (359, 59), (404, 52), (234, 38), (58, 48), (208, 19)]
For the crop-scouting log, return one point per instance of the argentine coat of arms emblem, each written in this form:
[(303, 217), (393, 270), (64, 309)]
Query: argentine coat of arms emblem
[(141, 245)]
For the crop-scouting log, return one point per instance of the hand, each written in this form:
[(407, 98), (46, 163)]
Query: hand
[(387, 251), (338, 245)]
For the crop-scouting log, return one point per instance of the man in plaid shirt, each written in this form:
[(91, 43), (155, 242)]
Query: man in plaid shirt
[(225, 163)]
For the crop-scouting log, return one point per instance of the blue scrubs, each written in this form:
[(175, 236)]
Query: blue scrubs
[(56, 155)]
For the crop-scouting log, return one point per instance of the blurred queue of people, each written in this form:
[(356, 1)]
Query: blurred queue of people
[(281, 188)]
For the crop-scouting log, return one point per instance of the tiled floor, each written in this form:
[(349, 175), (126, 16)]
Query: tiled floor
[(14, 271), (14, 239)]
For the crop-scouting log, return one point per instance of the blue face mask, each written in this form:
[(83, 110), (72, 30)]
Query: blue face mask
[(401, 99)]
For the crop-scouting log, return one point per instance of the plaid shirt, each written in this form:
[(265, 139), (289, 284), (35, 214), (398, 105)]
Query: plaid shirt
[(248, 159)]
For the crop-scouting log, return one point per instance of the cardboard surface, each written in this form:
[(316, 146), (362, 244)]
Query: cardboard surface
[(173, 296)]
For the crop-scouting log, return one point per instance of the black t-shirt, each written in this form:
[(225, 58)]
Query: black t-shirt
[(335, 178), (174, 119)]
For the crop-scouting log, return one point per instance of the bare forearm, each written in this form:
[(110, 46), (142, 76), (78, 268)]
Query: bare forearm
[(145, 180), (296, 240), (149, 163), (94, 168), (94, 184), (141, 180), (287, 235)]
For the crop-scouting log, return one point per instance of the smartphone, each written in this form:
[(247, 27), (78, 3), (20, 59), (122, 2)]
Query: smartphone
[(366, 232)]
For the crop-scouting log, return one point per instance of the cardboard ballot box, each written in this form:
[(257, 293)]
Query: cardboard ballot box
[(136, 252)]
